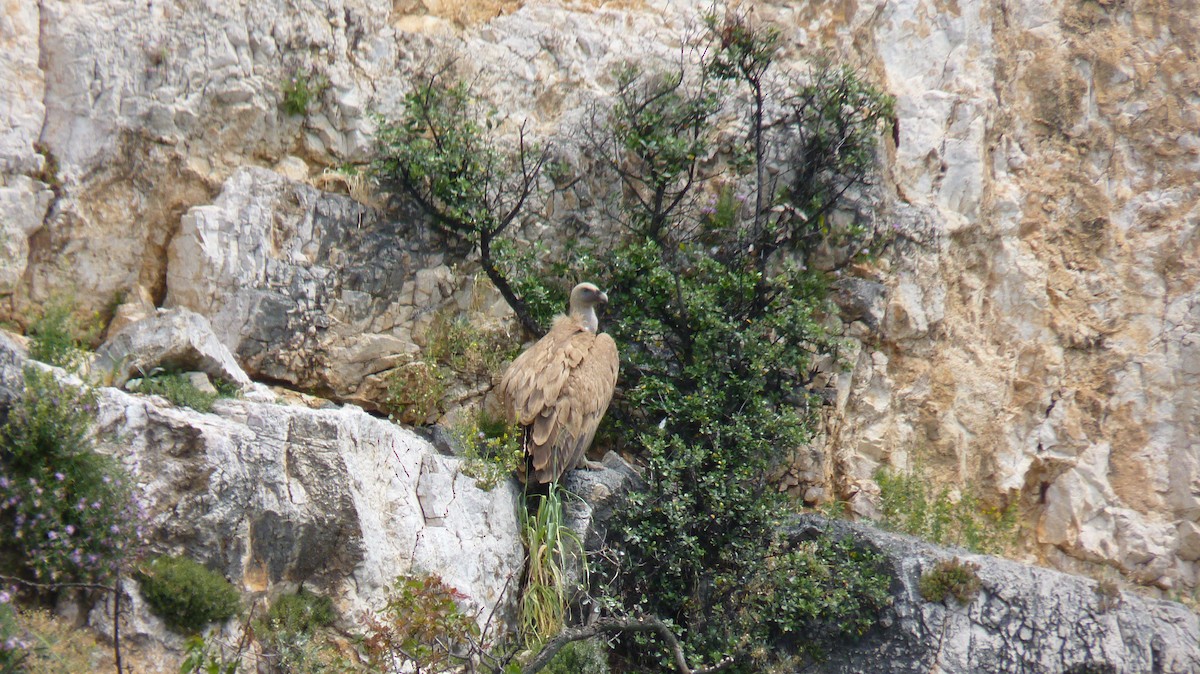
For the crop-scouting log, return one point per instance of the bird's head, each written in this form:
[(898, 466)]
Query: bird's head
[(584, 298)]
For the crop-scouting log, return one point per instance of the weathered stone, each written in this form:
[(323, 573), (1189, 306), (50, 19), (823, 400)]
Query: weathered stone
[(1025, 619), (172, 339), (306, 287), (334, 499), (596, 493)]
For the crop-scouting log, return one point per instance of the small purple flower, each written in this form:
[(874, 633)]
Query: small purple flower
[(70, 529), (114, 529), (5, 597), (60, 477), (53, 535)]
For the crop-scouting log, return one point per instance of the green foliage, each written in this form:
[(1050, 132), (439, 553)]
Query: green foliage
[(951, 578), (13, 644), (491, 447), (176, 387), (59, 337), (186, 594), (301, 89), (442, 155), (68, 510), (415, 391), (589, 656), (203, 657), (551, 548), (420, 628), (294, 635), (910, 504), (468, 350)]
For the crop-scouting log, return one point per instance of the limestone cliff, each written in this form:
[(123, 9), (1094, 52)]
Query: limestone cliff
[(1034, 330)]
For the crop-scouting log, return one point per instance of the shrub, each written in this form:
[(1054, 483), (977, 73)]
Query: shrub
[(910, 504), (421, 627), (185, 594), (415, 391), (69, 510), (951, 578), (57, 335), (442, 155), (293, 635)]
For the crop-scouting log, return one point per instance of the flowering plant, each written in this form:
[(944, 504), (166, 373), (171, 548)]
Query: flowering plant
[(68, 510)]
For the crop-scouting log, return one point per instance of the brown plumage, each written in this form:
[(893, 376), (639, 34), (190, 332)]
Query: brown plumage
[(559, 389)]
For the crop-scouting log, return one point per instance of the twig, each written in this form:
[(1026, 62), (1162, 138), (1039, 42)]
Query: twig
[(55, 586), (615, 625)]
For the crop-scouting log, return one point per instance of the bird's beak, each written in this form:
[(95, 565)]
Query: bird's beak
[(603, 298)]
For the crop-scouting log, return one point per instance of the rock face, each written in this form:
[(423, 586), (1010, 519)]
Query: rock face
[(1040, 331), (1024, 619), (306, 287), (1034, 331), (336, 500)]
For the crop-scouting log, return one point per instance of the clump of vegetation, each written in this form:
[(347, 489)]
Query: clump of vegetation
[(422, 628), (68, 510), (442, 154), (911, 504), (59, 337), (491, 447), (294, 638), (951, 578), (186, 594), (179, 389), (415, 391), (589, 656), (1108, 595), (552, 548), (301, 90), (202, 656)]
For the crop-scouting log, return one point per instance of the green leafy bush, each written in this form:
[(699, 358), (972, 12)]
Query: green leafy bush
[(421, 627), (441, 154), (68, 510), (491, 447), (589, 656), (911, 504), (951, 578), (186, 594), (293, 635)]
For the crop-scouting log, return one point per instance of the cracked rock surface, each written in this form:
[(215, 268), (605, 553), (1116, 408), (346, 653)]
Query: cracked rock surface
[(1025, 619), (337, 500)]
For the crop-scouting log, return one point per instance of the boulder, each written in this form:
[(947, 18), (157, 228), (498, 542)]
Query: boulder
[(172, 339)]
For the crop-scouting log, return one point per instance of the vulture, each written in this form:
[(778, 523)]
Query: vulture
[(558, 390)]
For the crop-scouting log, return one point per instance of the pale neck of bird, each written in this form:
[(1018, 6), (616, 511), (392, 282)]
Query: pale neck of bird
[(587, 316)]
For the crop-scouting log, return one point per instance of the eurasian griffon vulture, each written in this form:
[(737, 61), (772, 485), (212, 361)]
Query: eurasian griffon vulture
[(559, 389)]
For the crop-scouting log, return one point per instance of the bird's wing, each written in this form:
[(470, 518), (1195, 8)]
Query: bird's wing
[(537, 376), (561, 434)]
